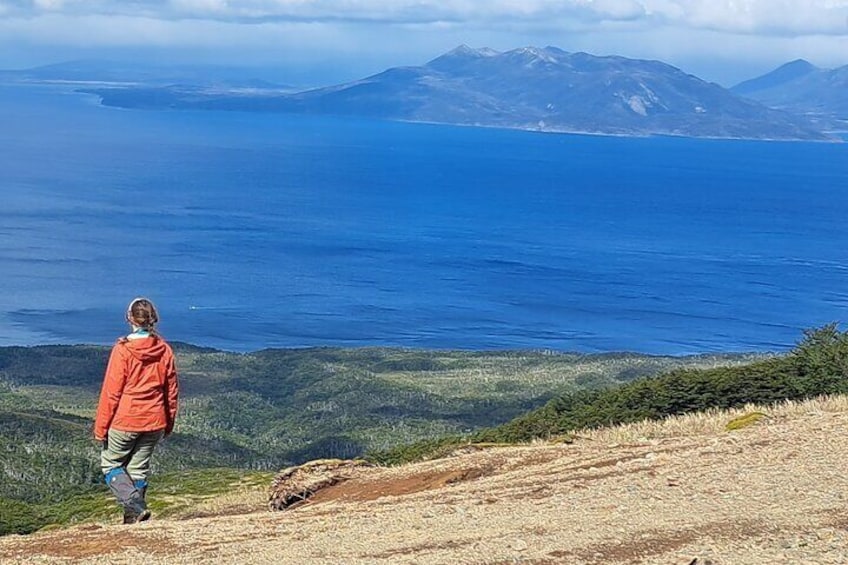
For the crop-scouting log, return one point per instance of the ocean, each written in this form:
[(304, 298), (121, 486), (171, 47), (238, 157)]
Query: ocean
[(258, 230)]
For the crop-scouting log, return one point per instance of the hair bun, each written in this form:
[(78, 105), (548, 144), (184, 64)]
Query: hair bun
[(142, 313)]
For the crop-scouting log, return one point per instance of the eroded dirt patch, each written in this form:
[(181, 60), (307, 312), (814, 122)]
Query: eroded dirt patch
[(89, 542), (294, 485), (364, 490)]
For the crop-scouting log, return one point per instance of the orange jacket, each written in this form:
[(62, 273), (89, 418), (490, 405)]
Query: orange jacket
[(140, 389)]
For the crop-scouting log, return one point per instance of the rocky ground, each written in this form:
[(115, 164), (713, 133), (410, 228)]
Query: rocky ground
[(683, 492)]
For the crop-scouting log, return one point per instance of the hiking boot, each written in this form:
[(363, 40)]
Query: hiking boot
[(124, 489), (134, 514)]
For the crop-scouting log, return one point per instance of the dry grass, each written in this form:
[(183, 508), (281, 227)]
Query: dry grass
[(661, 493), (241, 500), (711, 422)]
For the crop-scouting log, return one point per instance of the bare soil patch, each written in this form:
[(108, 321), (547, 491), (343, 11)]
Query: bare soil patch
[(365, 489), (90, 541)]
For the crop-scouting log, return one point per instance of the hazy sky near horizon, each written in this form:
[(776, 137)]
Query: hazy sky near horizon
[(324, 41)]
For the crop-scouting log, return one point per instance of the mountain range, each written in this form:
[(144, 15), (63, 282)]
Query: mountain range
[(802, 88), (543, 89)]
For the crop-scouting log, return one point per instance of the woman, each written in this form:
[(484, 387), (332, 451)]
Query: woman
[(137, 408)]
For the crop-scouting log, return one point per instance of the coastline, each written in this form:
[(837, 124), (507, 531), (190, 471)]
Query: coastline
[(90, 89), (187, 347)]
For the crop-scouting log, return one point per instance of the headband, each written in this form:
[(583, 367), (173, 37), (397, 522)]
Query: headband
[(133, 303)]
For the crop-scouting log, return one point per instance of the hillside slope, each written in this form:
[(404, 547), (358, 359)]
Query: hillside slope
[(681, 491), (267, 409), (274, 407)]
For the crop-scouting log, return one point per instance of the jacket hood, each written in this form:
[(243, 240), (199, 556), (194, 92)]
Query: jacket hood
[(147, 350)]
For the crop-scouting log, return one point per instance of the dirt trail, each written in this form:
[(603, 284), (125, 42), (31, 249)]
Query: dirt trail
[(776, 492)]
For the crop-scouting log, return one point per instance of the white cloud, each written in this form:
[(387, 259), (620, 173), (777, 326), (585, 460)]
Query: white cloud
[(780, 17), (136, 31), (756, 33), (764, 17), (49, 4)]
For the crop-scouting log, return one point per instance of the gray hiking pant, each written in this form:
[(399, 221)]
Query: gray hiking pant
[(131, 450)]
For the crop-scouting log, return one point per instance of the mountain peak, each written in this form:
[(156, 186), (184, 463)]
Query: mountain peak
[(466, 51), (799, 65), (555, 50), (534, 54), (460, 55), (785, 73), (803, 88)]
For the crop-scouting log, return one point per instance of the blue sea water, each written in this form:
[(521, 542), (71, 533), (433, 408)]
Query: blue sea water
[(260, 230)]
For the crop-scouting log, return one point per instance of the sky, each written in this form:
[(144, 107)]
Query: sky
[(327, 41)]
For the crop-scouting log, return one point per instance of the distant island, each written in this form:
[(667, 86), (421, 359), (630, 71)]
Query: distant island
[(540, 89), (802, 88)]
